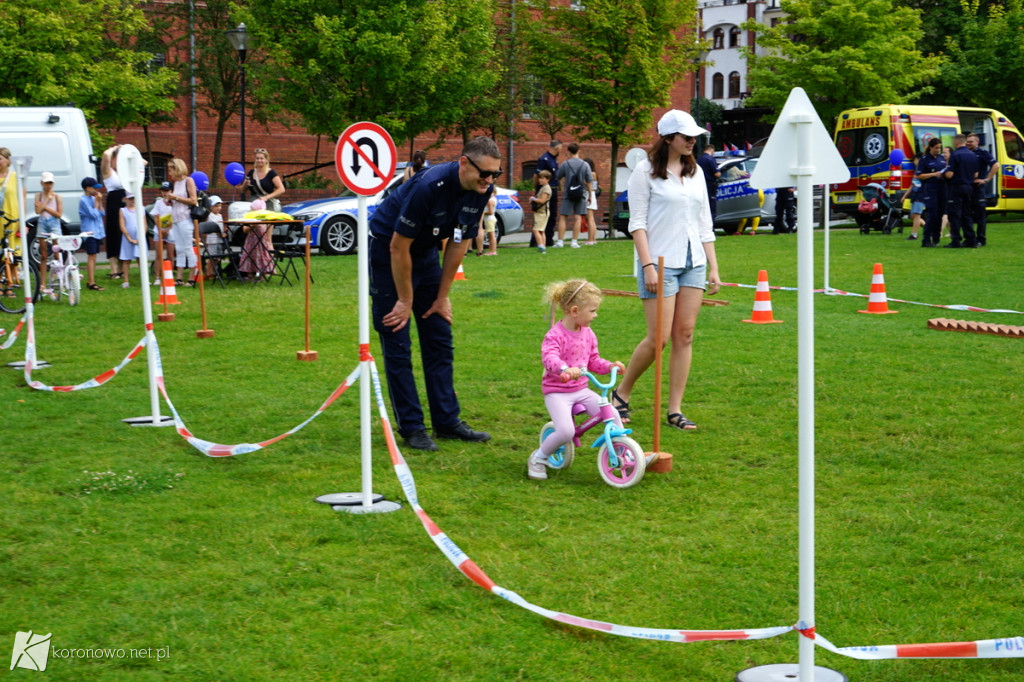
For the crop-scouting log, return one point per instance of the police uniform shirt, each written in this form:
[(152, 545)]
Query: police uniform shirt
[(964, 165), (710, 166), (985, 162), (931, 187), (428, 207), (547, 162)]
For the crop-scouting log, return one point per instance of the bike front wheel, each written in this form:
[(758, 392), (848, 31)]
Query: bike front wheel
[(74, 286), (563, 456), (621, 463), (12, 290)]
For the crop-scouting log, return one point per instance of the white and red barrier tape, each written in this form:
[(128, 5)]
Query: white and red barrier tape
[(840, 292), (211, 449), (14, 334)]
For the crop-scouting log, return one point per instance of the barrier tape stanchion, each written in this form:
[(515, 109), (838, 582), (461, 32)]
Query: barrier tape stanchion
[(14, 333)]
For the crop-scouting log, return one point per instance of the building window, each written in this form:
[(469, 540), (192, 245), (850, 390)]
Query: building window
[(533, 95), (716, 86), (156, 172), (719, 39), (734, 36), (734, 84)]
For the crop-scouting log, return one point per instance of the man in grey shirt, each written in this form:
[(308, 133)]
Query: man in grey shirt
[(578, 178)]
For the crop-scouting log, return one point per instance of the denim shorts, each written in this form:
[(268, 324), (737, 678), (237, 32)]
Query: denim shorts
[(48, 224), (675, 279), (917, 208)]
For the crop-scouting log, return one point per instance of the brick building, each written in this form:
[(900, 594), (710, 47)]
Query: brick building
[(294, 152)]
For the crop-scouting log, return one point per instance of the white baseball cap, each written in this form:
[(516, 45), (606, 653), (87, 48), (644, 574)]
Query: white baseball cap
[(676, 121), (45, 176), (214, 200)]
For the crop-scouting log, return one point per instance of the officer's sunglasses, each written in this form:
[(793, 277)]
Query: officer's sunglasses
[(485, 174)]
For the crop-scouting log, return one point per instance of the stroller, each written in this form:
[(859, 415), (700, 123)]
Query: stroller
[(877, 211)]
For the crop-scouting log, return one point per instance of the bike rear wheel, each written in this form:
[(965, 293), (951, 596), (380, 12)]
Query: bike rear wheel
[(621, 465), (12, 291), (563, 456)]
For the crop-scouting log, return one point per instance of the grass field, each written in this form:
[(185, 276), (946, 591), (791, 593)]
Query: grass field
[(121, 537)]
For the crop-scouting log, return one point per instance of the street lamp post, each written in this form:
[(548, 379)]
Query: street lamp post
[(239, 38)]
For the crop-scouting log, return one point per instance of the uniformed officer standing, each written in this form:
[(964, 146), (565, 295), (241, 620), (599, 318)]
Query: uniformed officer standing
[(961, 173), (549, 161), (407, 279), (929, 172), (711, 175), (987, 169)]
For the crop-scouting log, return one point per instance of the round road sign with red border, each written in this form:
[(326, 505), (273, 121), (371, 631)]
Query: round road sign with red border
[(365, 158)]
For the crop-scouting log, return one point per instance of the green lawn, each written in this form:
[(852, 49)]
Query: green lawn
[(122, 537)]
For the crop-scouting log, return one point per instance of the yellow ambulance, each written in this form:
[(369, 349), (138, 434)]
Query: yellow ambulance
[(867, 137)]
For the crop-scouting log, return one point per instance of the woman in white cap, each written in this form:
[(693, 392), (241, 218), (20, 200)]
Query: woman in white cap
[(670, 217)]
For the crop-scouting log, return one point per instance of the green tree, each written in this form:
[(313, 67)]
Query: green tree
[(56, 52), (409, 65), (843, 53), (610, 63), (979, 61)]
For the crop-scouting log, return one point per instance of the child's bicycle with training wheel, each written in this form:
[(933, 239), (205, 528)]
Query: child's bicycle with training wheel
[(620, 459), (63, 277), (12, 290)]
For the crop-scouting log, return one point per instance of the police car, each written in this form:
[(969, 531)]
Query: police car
[(333, 222), (736, 199)]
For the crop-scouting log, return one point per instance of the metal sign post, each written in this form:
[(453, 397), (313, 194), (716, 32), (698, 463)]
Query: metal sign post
[(800, 152), (365, 158), (132, 170)]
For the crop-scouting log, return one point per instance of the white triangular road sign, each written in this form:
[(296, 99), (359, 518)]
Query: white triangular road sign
[(784, 158)]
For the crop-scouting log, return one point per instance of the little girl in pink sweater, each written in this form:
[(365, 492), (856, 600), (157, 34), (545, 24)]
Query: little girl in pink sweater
[(569, 347)]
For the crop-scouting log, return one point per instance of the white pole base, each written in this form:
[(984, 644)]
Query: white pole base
[(161, 420), (352, 503), (787, 672), (20, 364)]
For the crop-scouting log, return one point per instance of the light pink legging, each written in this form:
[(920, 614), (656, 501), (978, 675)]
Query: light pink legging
[(560, 408)]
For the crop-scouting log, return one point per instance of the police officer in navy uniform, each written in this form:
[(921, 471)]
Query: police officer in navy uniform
[(549, 161), (987, 169), (711, 175), (410, 279), (961, 173), (929, 172)]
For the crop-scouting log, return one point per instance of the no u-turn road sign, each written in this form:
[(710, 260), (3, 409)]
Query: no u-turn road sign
[(365, 158)]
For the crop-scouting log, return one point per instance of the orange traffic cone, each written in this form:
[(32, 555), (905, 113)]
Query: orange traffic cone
[(878, 304), (459, 274), (168, 294), (762, 302)]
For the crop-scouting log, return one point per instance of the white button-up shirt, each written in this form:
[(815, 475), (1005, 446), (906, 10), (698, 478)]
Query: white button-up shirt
[(675, 212)]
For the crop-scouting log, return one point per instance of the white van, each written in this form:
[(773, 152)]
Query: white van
[(57, 139)]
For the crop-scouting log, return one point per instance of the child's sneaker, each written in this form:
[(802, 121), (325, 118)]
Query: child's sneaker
[(537, 466), (125, 285), (48, 293), (575, 244), (541, 249), (557, 245)]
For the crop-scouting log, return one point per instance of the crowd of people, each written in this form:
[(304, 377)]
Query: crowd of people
[(107, 214)]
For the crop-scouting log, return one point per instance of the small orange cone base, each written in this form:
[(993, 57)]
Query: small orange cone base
[(662, 465), (762, 313), (460, 274), (878, 303), (204, 333), (165, 317), (306, 356)]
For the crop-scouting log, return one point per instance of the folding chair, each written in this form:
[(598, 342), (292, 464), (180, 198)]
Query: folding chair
[(218, 254), (284, 261)]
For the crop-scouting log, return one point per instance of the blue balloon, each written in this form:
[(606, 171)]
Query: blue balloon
[(234, 173), (896, 157), (202, 182)]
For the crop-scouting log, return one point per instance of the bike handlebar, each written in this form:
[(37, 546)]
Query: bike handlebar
[(564, 376)]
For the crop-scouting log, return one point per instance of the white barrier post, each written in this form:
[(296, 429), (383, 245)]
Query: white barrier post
[(800, 149), (365, 175), (132, 170)]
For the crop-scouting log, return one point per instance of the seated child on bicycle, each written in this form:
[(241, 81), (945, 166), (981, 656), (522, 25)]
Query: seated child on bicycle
[(568, 346)]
